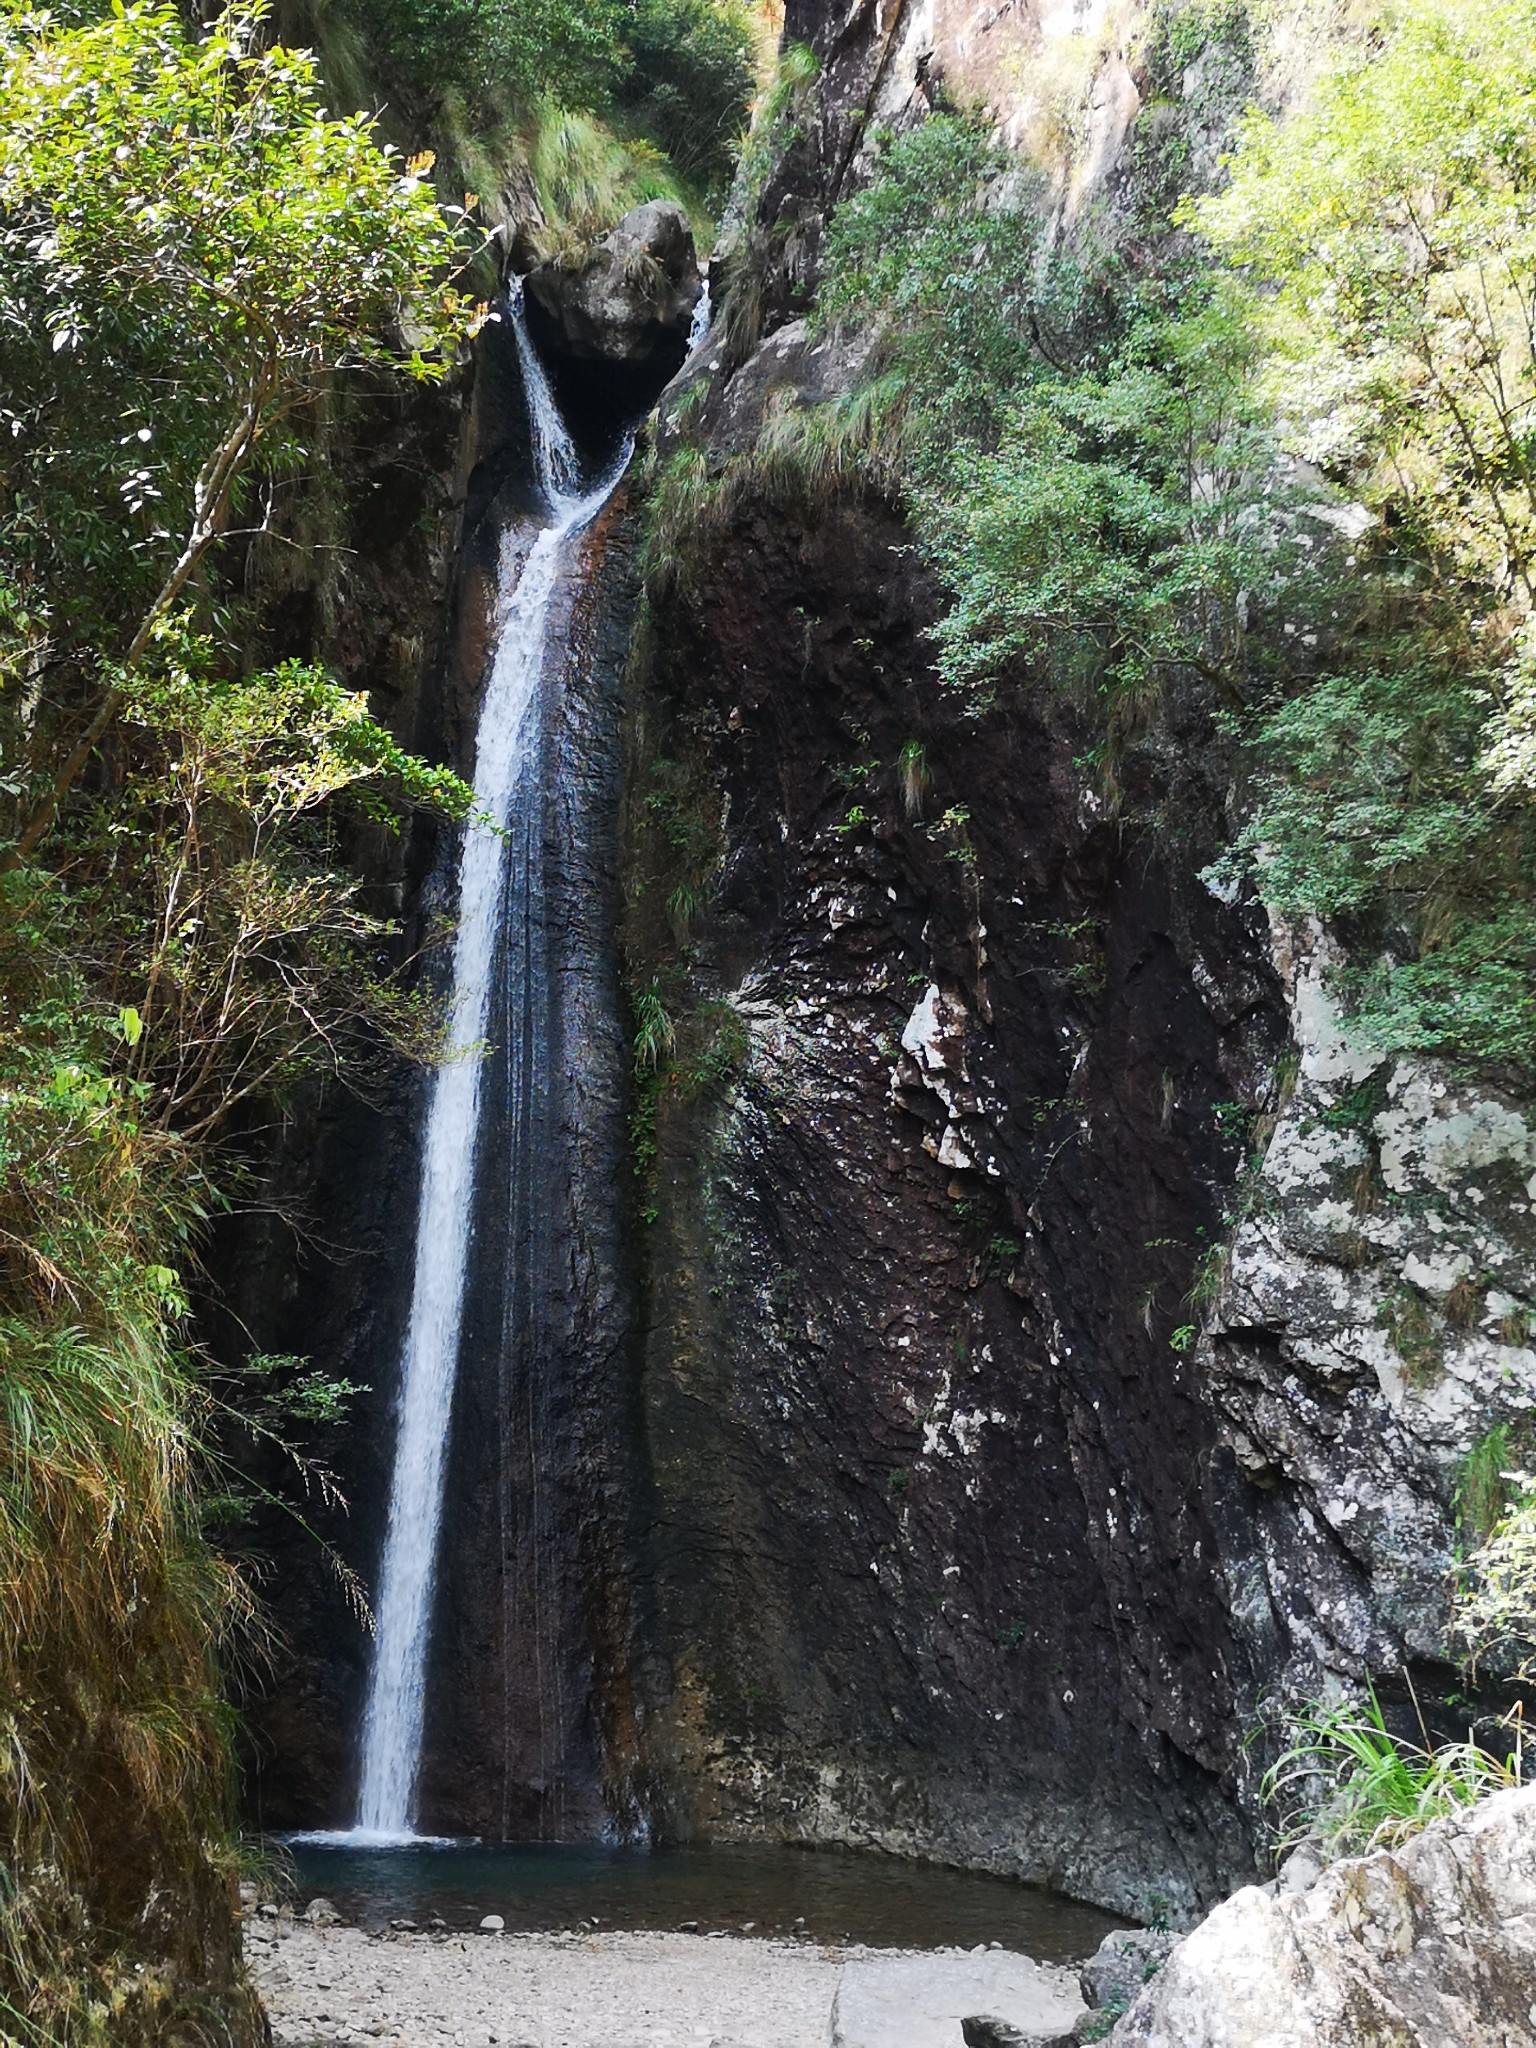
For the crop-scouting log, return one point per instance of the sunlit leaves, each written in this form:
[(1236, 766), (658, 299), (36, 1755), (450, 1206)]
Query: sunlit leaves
[(1395, 224), (187, 242)]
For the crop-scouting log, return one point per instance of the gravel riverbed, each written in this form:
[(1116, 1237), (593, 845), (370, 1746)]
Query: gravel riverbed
[(542, 1990), (593, 1990)]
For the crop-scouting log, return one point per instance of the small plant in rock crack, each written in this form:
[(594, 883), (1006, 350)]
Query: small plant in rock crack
[(913, 777), (1210, 1276), (683, 907), (1098, 2026), (1415, 1338), (1348, 1784), (1494, 1476), (655, 1035), (1235, 1119)]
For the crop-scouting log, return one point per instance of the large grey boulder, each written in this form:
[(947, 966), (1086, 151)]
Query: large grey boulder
[(631, 296), (1432, 1945)]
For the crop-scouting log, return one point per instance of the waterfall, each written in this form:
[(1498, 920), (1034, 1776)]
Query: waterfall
[(703, 315), (505, 749), (555, 461)]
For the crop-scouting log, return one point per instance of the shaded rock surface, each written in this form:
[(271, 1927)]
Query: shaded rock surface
[(630, 298), (1432, 1945), (934, 1560), (1122, 1965), (1375, 1321)]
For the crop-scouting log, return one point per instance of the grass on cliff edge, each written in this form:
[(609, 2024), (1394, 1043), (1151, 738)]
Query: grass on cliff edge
[(1348, 1785)]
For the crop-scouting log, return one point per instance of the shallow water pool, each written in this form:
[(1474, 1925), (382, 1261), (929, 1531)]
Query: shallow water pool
[(838, 1895)]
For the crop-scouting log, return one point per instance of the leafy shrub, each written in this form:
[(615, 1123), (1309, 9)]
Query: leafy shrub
[(1099, 465), (1494, 1477), (491, 52), (1085, 458), (1496, 1594), (678, 74), (191, 253), (1391, 226), (688, 83)]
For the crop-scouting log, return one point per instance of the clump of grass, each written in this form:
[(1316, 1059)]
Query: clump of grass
[(1494, 1475), (1417, 1342), (655, 1033), (749, 245), (803, 459), (587, 178), (914, 777), (1496, 1593), (1347, 1783)]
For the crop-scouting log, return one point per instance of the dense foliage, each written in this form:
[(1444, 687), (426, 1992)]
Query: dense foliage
[(677, 74), (191, 253), (1389, 232), (1084, 451), (1293, 456)]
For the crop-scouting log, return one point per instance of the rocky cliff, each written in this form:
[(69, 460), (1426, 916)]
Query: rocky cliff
[(1039, 1368), (1025, 1329)]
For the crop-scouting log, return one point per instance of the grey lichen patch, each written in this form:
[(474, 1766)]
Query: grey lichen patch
[(1374, 1325)]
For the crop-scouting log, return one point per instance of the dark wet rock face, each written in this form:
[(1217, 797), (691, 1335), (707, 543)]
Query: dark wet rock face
[(630, 297), (934, 1561)]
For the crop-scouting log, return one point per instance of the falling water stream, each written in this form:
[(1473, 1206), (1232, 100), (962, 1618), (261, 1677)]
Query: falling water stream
[(505, 744)]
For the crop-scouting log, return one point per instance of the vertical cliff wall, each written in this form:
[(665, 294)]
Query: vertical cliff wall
[(935, 1559), (1039, 1370), (1017, 1328)]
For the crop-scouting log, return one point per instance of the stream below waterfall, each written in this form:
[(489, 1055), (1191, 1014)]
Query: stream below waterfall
[(881, 1901)]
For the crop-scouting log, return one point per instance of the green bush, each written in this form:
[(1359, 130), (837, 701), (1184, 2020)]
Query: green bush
[(677, 73), (688, 83), (191, 254), (1084, 455), (1389, 227), (1098, 455), (492, 52)]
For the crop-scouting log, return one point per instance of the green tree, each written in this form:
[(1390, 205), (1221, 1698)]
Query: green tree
[(1390, 233), (189, 250), (191, 253)]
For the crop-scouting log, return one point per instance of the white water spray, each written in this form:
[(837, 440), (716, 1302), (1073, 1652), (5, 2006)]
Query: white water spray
[(703, 317), (507, 734)]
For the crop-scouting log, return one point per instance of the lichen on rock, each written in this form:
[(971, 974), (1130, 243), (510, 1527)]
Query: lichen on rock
[(1430, 1943)]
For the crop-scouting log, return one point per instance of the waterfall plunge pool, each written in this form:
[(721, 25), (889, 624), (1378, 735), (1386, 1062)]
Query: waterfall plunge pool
[(727, 1888)]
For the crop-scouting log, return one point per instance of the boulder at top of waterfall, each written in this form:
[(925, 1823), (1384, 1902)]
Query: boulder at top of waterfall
[(630, 297), (1428, 1944)]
